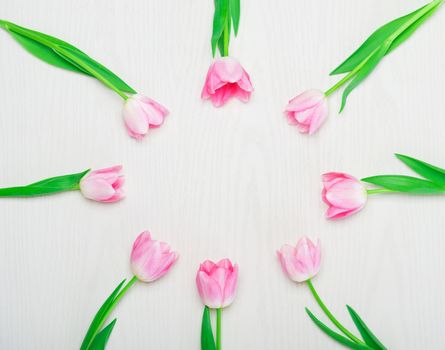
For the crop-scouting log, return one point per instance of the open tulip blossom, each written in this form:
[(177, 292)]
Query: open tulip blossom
[(150, 260), (309, 110), (217, 284), (301, 263), (104, 185), (345, 195), (140, 113), (226, 77)]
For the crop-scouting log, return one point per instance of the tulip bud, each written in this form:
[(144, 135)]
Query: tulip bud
[(308, 111), (103, 185), (141, 114), (151, 259), (344, 194), (302, 262), (217, 283), (225, 79)]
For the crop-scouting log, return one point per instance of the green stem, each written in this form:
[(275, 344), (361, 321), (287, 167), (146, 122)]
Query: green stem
[(72, 57), (112, 306), (226, 38), (331, 316), (378, 190), (218, 329), (2, 23)]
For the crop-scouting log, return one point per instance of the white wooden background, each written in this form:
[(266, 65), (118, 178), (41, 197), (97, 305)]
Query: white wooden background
[(236, 182)]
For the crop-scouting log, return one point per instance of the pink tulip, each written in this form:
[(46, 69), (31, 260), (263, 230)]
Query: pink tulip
[(308, 111), (225, 79), (103, 185), (141, 114), (217, 283), (151, 259), (344, 194), (301, 262)]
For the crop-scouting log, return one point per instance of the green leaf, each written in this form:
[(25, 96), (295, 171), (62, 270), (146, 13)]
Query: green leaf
[(235, 14), (428, 171), (98, 318), (374, 41), (101, 339), (361, 75), (411, 29), (219, 21), (221, 39), (207, 339), (33, 41), (45, 53), (366, 333), (47, 186), (401, 183), (334, 335)]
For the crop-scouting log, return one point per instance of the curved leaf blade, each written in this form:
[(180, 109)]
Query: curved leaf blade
[(57, 46), (365, 332), (375, 40), (334, 335), (98, 318), (235, 10), (368, 67), (207, 339), (101, 339), (219, 21), (428, 171), (408, 184), (46, 186)]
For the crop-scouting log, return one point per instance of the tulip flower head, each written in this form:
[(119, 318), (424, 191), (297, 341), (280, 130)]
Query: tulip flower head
[(344, 194), (217, 283), (151, 259), (225, 79), (141, 114), (302, 262), (103, 185), (308, 111)]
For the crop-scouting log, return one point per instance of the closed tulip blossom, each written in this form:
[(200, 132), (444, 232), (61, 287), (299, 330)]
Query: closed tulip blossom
[(225, 79), (151, 259), (103, 185), (217, 283), (141, 114), (302, 262), (307, 111), (344, 194)]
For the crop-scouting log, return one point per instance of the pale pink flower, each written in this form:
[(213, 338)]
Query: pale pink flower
[(141, 114), (344, 194), (217, 283), (103, 185), (308, 111), (301, 262), (151, 259), (225, 79)]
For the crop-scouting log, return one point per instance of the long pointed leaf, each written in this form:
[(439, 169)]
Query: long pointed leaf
[(373, 42), (219, 21), (101, 339), (370, 65), (428, 171), (97, 320), (47, 186), (334, 335), (207, 339), (53, 56), (408, 184), (235, 13), (365, 332)]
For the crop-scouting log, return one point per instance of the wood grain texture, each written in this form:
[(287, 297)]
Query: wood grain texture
[(236, 181)]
